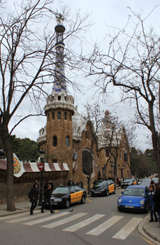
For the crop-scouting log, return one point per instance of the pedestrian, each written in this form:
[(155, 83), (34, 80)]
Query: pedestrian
[(74, 182), (151, 203), (45, 185), (81, 183), (70, 182), (156, 199), (50, 183), (33, 195), (36, 182), (47, 196)]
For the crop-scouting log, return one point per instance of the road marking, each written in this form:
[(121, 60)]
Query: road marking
[(127, 229), (64, 221), (24, 218), (13, 216), (84, 223), (53, 216), (104, 226)]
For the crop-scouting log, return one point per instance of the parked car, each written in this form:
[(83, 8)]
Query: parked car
[(104, 187), (127, 182), (146, 182), (156, 180), (65, 196), (134, 198)]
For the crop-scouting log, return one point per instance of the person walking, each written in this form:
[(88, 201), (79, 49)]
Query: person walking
[(70, 182), (47, 195), (156, 199), (33, 195), (151, 203)]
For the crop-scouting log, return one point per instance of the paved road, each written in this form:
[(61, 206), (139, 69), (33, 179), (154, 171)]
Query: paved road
[(95, 222)]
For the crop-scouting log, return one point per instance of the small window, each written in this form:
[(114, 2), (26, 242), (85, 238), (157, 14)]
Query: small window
[(59, 97), (67, 141), (53, 115), (70, 117), (107, 153), (59, 115), (65, 115), (54, 141)]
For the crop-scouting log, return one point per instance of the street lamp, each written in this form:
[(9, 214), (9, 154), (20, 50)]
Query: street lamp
[(42, 155)]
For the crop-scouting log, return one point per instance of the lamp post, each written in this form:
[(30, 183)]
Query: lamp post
[(41, 168)]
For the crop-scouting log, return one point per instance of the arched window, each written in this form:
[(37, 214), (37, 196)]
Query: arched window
[(65, 115), (53, 115), (59, 115), (87, 162), (59, 97), (67, 141), (54, 141), (70, 116)]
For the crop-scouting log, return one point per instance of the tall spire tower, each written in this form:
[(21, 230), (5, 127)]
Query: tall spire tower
[(59, 109), (59, 78)]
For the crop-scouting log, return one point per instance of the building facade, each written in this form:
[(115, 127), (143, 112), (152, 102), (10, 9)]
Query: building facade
[(67, 139)]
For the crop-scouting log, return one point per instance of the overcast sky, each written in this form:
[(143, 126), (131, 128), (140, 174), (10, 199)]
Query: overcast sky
[(104, 14)]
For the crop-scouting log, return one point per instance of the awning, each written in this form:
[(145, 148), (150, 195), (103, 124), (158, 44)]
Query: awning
[(32, 167)]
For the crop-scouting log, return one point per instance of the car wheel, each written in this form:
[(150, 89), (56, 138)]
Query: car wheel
[(107, 193), (83, 199), (114, 192), (67, 203)]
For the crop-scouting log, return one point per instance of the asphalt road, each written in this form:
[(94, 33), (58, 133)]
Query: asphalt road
[(95, 222)]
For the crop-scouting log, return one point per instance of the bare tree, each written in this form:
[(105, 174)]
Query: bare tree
[(115, 140), (131, 62), (94, 118), (27, 61)]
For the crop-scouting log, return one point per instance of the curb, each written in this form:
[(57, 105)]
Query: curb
[(146, 234), (18, 211)]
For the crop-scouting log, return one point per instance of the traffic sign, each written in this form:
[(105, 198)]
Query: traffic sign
[(41, 166)]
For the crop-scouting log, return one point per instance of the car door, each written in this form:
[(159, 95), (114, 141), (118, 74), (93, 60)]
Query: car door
[(112, 186), (109, 186), (73, 195), (79, 193)]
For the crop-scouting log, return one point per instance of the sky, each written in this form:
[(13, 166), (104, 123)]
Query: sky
[(104, 15)]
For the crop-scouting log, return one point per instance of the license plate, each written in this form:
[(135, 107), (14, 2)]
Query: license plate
[(129, 206), (55, 203)]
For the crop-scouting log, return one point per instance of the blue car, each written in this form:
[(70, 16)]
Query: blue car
[(134, 198)]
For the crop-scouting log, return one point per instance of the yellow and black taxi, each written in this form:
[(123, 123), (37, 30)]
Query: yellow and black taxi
[(127, 182), (65, 196), (104, 187)]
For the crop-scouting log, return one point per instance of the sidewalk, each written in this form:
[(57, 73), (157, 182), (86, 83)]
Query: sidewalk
[(20, 208), (149, 230)]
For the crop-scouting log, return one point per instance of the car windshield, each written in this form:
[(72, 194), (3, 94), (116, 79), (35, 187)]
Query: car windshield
[(146, 180), (128, 180), (134, 192), (61, 190), (100, 184)]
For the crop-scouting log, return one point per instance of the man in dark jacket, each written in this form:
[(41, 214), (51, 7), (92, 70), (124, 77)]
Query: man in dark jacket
[(33, 195), (151, 203), (156, 199), (47, 195)]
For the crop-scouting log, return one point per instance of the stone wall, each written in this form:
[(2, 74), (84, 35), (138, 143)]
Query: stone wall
[(23, 184)]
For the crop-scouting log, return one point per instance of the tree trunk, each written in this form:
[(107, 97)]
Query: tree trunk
[(10, 178), (156, 148)]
